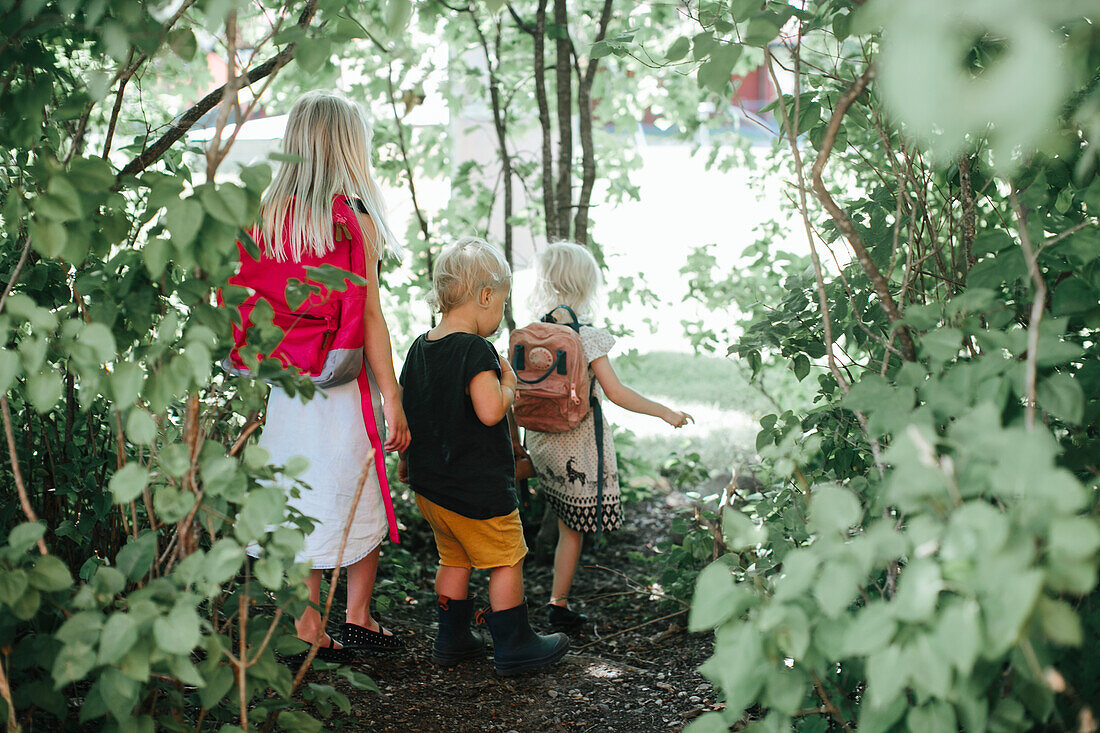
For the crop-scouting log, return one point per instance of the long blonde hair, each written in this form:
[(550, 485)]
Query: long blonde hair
[(566, 274), (331, 139)]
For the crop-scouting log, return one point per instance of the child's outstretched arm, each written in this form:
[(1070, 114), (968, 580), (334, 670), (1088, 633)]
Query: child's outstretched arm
[(628, 399), (492, 397)]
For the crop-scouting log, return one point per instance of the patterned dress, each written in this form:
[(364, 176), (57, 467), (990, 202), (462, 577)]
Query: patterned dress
[(567, 462)]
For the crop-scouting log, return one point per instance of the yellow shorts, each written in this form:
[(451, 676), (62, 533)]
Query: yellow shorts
[(474, 543)]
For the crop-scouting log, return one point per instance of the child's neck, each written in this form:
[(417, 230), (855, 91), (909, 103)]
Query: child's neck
[(462, 319)]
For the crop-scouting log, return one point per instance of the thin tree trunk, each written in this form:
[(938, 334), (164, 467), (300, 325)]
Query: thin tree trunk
[(588, 155), (564, 77), (549, 202)]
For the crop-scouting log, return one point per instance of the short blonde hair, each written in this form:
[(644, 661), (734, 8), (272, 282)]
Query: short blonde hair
[(463, 269), (566, 274)]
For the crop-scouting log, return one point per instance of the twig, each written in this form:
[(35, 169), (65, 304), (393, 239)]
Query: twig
[(368, 463), (17, 271), (819, 277), (829, 706), (255, 420), (5, 692), (844, 224), (24, 499), (641, 588), (1037, 305), (633, 628)]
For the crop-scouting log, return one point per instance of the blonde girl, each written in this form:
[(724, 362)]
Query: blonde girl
[(567, 274), (324, 207)]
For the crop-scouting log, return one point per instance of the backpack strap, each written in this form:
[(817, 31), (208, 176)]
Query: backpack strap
[(575, 325), (597, 424)]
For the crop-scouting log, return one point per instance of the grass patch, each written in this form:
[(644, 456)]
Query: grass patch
[(695, 378)]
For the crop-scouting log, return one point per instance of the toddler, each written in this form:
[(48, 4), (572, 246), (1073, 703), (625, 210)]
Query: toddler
[(457, 391)]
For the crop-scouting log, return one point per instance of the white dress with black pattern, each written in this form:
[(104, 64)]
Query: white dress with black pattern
[(567, 462)]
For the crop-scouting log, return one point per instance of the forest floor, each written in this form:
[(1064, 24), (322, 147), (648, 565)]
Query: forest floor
[(632, 668)]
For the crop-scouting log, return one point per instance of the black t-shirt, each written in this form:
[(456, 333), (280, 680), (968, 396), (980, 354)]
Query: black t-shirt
[(455, 460)]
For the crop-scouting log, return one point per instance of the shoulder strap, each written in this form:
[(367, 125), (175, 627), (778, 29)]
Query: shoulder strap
[(575, 325)]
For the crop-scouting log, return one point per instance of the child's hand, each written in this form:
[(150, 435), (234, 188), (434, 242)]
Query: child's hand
[(677, 418), (403, 469), (396, 425), (507, 373)]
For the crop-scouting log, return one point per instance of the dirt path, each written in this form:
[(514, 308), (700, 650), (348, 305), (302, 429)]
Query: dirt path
[(630, 671)]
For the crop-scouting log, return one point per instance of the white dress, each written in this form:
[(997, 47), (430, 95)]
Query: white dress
[(332, 432)]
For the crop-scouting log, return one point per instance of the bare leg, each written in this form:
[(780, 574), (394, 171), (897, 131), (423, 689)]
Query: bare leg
[(506, 587), (360, 589), (308, 625), (566, 557), (452, 582)]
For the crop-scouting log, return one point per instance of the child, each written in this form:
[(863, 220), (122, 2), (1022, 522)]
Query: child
[(323, 208), (457, 391), (566, 463)]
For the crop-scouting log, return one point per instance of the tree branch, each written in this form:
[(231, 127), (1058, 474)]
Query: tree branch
[(844, 224), (20, 487), (151, 154)]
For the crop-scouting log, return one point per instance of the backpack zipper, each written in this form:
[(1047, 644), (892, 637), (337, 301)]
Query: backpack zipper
[(573, 394)]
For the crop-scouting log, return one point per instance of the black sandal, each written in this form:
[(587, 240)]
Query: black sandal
[(360, 638), (326, 653)]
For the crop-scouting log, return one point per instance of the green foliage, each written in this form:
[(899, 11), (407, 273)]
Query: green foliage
[(924, 553)]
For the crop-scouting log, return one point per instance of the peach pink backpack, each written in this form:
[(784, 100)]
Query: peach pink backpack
[(553, 388)]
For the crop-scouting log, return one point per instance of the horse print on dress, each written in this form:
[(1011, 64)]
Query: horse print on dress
[(572, 474)]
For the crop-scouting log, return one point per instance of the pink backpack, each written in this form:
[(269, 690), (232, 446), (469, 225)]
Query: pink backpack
[(552, 391), (324, 335)]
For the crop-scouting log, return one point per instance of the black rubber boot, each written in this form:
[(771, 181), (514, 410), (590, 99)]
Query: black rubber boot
[(518, 649), (455, 641)]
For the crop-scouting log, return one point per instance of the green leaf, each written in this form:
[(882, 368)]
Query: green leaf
[(48, 237), (711, 722), (72, 663), (1077, 538), (60, 203), (1060, 622), (226, 203), (358, 680), (155, 255), (958, 635), (717, 597), (1008, 605), (740, 532), (296, 721), (119, 692), (396, 16), (942, 344), (172, 504), (178, 632), (126, 380), (678, 49), (118, 636), (312, 53), (49, 574), (716, 72), (128, 481), (872, 630), (801, 366), (222, 561), (183, 44), (333, 277), (918, 590), (98, 338), (935, 717), (9, 369), (184, 218), (13, 584), (218, 684), (600, 49), (837, 586), (1062, 396), (24, 536), (44, 390), (136, 558), (885, 677), (833, 509), (762, 30), (141, 429)]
